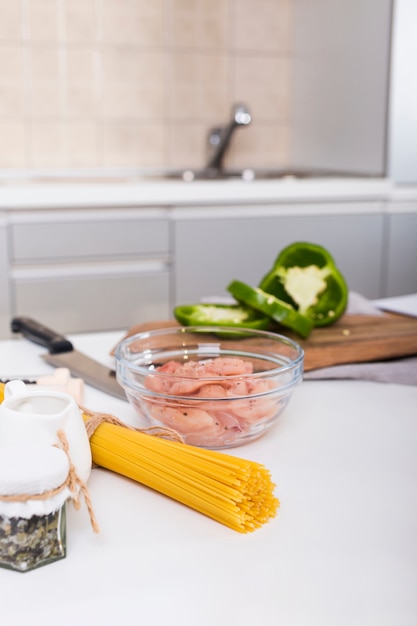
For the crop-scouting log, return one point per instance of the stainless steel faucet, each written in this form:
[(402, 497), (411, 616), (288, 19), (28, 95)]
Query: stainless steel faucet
[(219, 138)]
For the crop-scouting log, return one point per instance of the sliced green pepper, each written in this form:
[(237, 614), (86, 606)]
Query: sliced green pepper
[(276, 309), (233, 315), (305, 276)]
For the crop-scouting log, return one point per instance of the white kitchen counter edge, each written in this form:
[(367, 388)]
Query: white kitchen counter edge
[(203, 193)]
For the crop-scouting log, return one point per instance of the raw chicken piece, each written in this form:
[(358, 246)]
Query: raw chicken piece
[(224, 410)]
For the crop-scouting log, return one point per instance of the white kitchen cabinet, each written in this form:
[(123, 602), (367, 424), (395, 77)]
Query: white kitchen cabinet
[(401, 259), (212, 248), (81, 270)]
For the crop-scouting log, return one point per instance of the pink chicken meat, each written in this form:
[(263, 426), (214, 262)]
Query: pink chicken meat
[(209, 402)]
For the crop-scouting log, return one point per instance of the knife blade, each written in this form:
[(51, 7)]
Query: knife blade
[(61, 353)]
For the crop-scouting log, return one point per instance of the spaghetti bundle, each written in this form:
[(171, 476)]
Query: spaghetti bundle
[(233, 491)]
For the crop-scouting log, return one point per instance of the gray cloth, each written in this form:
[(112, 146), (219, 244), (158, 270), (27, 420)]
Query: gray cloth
[(401, 371)]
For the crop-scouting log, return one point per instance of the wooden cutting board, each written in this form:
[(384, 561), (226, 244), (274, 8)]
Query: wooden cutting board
[(352, 339), (360, 339)]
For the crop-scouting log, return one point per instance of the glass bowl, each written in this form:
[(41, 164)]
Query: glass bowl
[(217, 387)]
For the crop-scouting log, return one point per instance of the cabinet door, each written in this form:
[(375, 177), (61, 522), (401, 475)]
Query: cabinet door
[(210, 252), (401, 271)]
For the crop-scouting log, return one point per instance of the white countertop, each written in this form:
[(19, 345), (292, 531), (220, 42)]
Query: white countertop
[(341, 552), (172, 193)]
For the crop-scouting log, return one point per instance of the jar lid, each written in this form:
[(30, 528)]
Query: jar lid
[(28, 471)]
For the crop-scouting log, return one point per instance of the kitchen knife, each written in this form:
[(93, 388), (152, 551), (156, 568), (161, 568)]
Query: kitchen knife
[(61, 353)]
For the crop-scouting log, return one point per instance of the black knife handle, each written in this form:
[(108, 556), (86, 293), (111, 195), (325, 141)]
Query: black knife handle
[(42, 335)]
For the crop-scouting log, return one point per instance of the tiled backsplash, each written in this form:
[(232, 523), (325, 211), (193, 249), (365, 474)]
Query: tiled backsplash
[(138, 83)]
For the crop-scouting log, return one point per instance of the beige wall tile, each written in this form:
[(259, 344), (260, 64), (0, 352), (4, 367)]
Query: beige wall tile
[(11, 82), (134, 84), (199, 87), (80, 21), (80, 98), (133, 145), (10, 20), (11, 60), (55, 145), (136, 22), (131, 64), (44, 63), (117, 64), (48, 145), (183, 103), (132, 101), (198, 23), (260, 146), (13, 153), (262, 25), (80, 64), (43, 20), (11, 100), (45, 99), (82, 145), (184, 68), (80, 101), (263, 83), (187, 146), (45, 82), (213, 105)]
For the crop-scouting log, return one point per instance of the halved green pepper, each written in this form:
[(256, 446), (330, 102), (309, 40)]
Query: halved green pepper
[(266, 303), (305, 276), (233, 315)]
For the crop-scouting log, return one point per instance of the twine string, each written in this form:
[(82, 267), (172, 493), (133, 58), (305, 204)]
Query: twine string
[(75, 481), (96, 419), (45, 495)]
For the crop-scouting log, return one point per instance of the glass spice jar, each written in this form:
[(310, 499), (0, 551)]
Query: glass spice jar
[(33, 495)]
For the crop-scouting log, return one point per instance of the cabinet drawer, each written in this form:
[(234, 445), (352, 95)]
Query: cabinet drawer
[(77, 304), (83, 236)]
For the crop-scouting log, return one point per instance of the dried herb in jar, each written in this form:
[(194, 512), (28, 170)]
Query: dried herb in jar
[(29, 543), (33, 494)]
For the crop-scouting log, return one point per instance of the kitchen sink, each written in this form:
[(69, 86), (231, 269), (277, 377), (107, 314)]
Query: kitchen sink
[(188, 175), (249, 174)]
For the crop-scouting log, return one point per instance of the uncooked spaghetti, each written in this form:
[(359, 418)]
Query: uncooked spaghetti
[(234, 491)]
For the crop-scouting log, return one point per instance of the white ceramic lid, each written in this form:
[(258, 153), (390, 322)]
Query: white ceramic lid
[(32, 470)]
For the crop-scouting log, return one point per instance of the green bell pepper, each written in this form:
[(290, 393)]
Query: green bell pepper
[(277, 310), (233, 315), (306, 277)]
